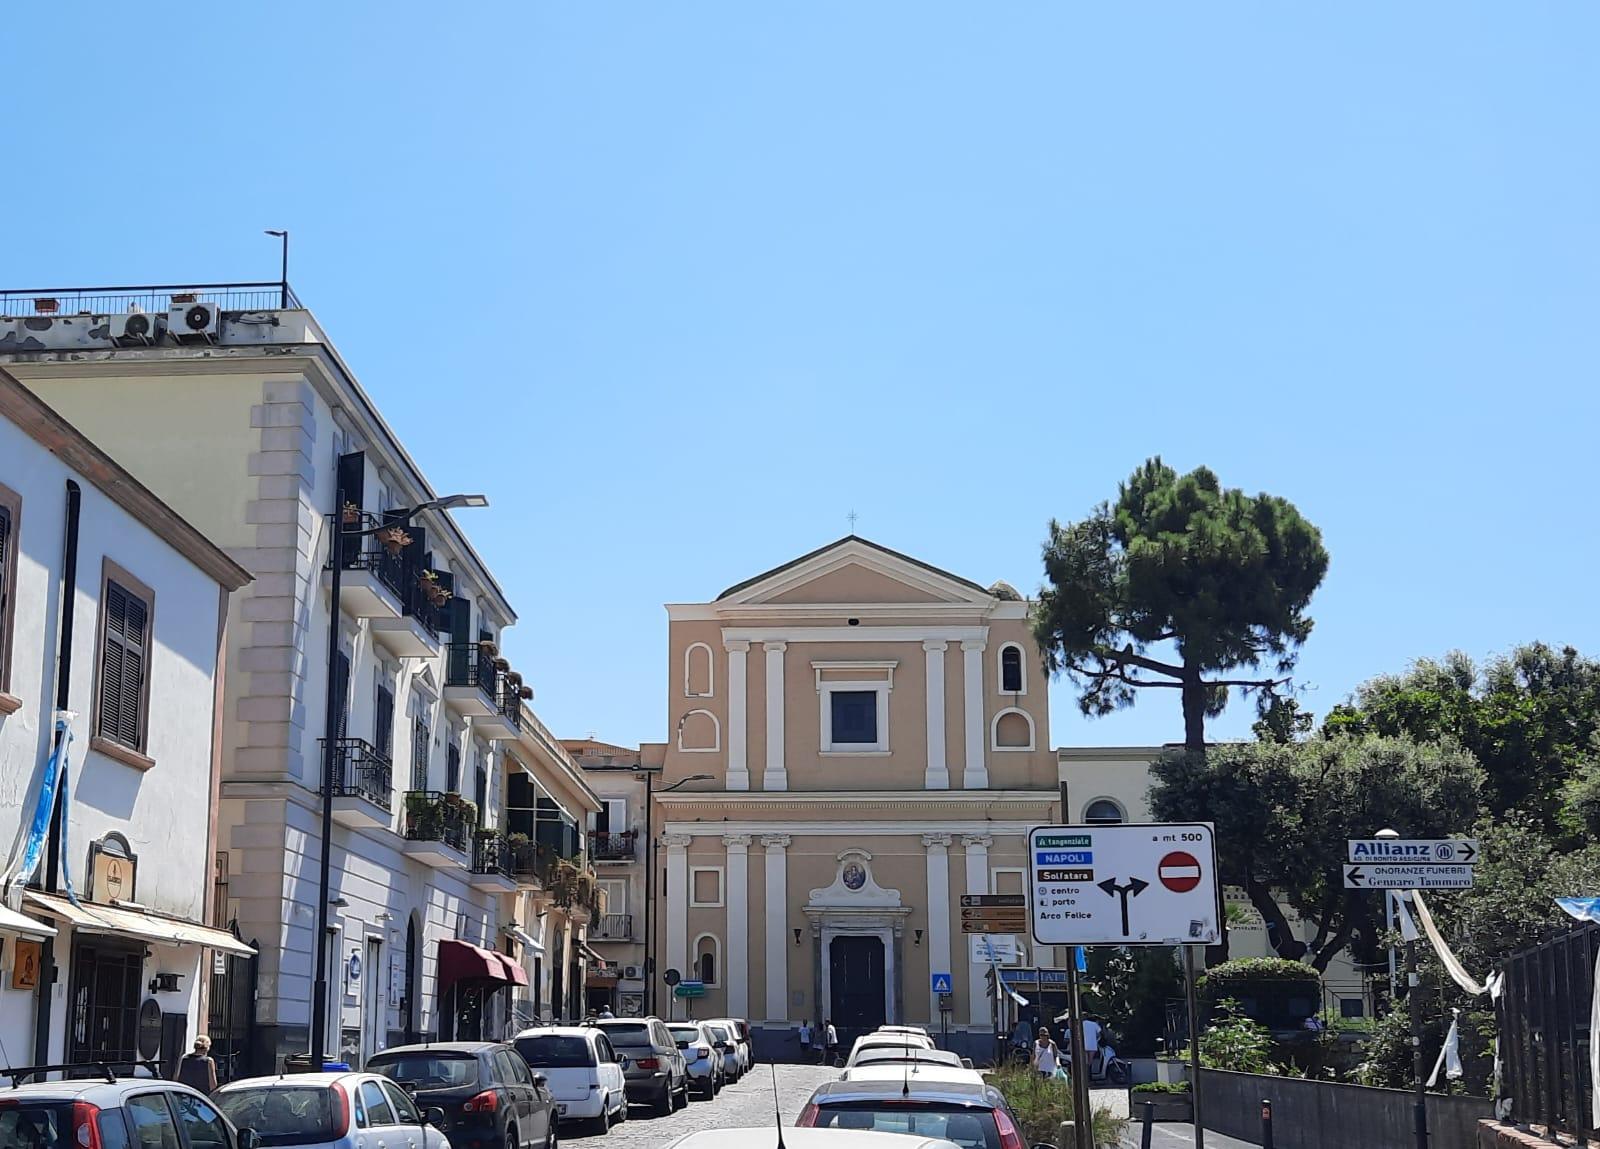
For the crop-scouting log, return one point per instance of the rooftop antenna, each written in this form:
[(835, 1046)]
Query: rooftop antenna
[(777, 1108), (852, 516)]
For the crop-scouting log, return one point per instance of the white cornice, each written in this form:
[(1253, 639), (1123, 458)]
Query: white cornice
[(742, 612), (834, 829), (801, 797), (855, 633)]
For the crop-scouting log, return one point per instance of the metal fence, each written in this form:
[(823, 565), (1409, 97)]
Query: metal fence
[(1544, 1031), (259, 296)]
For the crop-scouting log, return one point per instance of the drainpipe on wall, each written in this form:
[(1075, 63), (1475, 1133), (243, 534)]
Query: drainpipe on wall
[(52, 862)]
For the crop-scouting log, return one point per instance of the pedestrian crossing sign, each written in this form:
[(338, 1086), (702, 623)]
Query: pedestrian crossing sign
[(942, 983)]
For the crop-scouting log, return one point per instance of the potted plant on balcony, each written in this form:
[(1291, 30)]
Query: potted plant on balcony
[(502, 665), (525, 693), (394, 539), (351, 514), (432, 589), (487, 647)]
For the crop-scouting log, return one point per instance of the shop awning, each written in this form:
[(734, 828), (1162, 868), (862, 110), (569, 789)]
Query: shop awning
[(589, 953), (527, 939), (463, 961), (120, 921), (12, 922)]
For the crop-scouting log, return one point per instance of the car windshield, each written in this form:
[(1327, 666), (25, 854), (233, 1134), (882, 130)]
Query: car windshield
[(555, 1051), (628, 1033), (909, 1056), (684, 1033), (427, 1070), (968, 1128), (281, 1116), (34, 1126), (717, 1032)]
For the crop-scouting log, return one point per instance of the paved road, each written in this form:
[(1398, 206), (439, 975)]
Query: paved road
[(1179, 1135), (749, 1102)]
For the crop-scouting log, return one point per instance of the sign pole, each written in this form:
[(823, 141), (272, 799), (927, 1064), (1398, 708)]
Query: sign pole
[(1082, 1117), (1419, 1112), (1194, 1046)]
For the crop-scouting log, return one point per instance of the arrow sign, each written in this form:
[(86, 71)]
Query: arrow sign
[(1397, 876), (1414, 851), (1134, 888)]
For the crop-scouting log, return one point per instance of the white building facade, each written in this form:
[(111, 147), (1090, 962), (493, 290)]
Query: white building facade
[(112, 615), (250, 422)]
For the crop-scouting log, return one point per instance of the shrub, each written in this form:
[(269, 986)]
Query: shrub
[(1162, 1087), (1041, 1106), (1236, 1042)]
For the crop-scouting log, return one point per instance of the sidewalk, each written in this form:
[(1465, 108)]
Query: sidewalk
[(1179, 1135)]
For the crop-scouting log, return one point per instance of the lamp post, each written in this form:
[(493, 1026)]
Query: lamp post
[(1419, 1106), (283, 279), (650, 878), (330, 731)]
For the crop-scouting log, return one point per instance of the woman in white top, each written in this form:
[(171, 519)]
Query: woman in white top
[(1046, 1057)]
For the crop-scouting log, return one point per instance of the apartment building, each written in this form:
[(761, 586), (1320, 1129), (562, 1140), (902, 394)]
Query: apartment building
[(112, 616), (235, 407)]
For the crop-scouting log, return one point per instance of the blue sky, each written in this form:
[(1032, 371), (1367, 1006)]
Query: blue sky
[(680, 285)]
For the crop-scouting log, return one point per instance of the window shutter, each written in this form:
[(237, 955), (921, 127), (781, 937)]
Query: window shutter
[(341, 689), (519, 803), (460, 621), (123, 666), (452, 769), (421, 746), (352, 475), (383, 722)]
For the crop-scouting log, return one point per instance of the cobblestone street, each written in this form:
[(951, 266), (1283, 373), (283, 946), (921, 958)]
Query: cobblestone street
[(747, 1103)]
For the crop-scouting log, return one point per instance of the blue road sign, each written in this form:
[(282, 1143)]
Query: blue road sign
[(942, 983)]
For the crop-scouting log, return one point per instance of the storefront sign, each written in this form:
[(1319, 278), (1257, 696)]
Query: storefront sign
[(149, 1029), (113, 877)]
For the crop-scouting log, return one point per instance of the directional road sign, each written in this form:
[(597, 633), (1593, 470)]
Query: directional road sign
[(1404, 876), (689, 989), (943, 983), (1438, 851), (995, 901), (1150, 884)]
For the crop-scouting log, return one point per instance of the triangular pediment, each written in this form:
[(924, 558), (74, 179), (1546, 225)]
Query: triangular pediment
[(854, 570)]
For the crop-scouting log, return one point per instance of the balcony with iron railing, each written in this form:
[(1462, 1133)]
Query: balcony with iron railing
[(613, 847), (505, 724), (472, 678), (436, 827), (493, 866), (150, 299), (381, 580), (363, 784), (612, 928)]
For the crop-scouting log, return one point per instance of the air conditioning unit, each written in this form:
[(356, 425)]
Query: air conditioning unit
[(193, 321), (632, 973), (135, 329)]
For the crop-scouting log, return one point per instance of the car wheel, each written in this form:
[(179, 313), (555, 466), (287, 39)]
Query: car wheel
[(512, 1140), (622, 1109), (554, 1134), (604, 1121), (663, 1105)]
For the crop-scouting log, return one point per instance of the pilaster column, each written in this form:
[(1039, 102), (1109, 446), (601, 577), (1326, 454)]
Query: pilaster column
[(777, 926), (736, 969), (938, 775), (940, 911), (676, 911), (975, 773), (977, 847), (774, 777), (738, 739)]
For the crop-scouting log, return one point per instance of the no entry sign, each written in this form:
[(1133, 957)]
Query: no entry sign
[(1179, 871), (1125, 885)]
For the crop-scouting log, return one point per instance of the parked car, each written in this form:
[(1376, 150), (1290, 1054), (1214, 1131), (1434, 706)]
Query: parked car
[(747, 1046), (583, 1072), (763, 1136), (110, 1110), (911, 1073), (971, 1114), (330, 1111), (703, 1053), (914, 1030), (887, 1041), (655, 1070), (489, 1097), (905, 1055), (722, 1036)]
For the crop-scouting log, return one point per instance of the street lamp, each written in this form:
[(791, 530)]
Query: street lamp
[(330, 730), (283, 280), (650, 879), (1389, 835)]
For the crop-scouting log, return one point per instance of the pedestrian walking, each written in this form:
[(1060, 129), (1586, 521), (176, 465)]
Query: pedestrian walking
[(606, 1014), (1046, 1056), (197, 1070), (832, 1040), (805, 1040)]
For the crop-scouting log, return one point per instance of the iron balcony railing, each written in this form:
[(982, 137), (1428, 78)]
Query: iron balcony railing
[(492, 854), (369, 552), (260, 296), (612, 927), (470, 664), (360, 771), (432, 816), (613, 847), (509, 702)]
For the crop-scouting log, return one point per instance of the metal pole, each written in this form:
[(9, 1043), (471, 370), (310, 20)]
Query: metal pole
[(1266, 1123), (1394, 972), (649, 900), (1194, 1047), (1149, 1125), (1414, 1000), (284, 279), (1082, 1117), (330, 734)]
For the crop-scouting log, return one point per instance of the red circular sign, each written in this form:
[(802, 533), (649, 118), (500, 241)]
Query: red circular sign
[(1179, 871)]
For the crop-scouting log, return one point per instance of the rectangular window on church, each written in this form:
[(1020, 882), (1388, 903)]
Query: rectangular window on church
[(705, 887), (855, 716)]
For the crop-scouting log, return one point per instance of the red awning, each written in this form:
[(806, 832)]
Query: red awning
[(463, 961)]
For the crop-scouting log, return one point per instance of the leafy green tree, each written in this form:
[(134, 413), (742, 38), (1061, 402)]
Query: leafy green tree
[(1580, 796), (1530, 718), (1128, 988), (1178, 562), (1236, 1041), (1283, 812)]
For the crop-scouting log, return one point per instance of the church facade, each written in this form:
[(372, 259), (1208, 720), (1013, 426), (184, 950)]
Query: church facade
[(857, 740)]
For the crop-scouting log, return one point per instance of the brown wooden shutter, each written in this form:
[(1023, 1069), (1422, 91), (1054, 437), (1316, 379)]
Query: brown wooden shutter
[(383, 722), (123, 667)]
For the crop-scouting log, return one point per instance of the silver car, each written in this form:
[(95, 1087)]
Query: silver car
[(701, 1051), (331, 1111)]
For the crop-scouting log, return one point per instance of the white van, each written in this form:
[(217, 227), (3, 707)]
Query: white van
[(581, 1069)]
